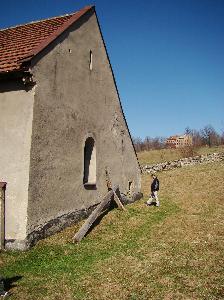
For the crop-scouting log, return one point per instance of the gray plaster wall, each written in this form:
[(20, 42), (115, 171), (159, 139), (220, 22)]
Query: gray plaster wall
[(72, 103), (16, 114)]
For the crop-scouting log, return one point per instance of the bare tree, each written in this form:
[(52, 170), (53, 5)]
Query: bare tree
[(188, 130), (206, 136), (137, 144), (222, 137), (210, 136)]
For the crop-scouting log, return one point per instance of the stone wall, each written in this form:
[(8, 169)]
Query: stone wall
[(190, 161)]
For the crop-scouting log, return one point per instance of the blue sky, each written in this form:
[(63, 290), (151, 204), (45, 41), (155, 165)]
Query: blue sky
[(167, 57)]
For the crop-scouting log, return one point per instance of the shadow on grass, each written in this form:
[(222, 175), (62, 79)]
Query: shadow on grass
[(9, 282), (151, 204)]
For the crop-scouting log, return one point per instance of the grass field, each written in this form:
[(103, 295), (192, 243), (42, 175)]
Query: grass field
[(175, 251), (157, 156)]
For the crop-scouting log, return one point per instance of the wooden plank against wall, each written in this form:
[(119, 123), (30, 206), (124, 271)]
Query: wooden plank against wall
[(113, 194), (92, 218), (117, 199)]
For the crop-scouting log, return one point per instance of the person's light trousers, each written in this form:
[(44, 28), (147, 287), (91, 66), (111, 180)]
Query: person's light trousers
[(154, 198)]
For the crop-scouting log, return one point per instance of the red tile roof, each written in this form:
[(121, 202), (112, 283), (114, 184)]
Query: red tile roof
[(21, 43), (173, 137)]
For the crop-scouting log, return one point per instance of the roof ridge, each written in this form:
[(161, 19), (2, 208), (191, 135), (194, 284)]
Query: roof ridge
[(37, 21), (46, 31)]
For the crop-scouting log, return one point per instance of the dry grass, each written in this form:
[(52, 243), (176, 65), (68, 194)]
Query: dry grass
[(207, 150), (180, 258), (172, 252), (157, 156)]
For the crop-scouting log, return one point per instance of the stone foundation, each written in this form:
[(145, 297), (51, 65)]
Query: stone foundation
[(52, 227), (58, 224)]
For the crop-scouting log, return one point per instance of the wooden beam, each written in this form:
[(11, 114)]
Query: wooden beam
[(92, 218), (117, 199), (97, 212)]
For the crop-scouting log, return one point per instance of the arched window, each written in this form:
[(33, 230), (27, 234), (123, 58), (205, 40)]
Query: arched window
[(89, 177)]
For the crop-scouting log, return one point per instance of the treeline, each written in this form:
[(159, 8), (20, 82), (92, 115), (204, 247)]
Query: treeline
[(205, 136), (148, 143)]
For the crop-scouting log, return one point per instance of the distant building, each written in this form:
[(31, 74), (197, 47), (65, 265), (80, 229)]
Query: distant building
[(178, 141)]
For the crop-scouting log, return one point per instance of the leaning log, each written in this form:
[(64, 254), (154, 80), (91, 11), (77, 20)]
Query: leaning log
[(117, 198), (95, 214)]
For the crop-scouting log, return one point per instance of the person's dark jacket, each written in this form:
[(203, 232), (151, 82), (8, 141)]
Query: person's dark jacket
[(155, 185)]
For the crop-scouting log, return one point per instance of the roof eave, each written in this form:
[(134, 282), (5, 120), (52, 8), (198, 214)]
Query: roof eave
[(58, 32), (15, 74)]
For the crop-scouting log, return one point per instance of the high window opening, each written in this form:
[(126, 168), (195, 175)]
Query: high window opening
[(90, 60), (89, 177)]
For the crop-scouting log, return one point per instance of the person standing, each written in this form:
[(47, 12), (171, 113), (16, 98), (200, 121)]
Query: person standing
[(154, 191)]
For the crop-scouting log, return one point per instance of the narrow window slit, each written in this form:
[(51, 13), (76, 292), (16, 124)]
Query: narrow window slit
[(90, 60)]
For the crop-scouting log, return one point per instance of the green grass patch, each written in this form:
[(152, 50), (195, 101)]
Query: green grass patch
[(51, 262), (175, 251)]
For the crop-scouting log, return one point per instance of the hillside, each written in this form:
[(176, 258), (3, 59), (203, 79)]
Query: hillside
[(175, 251), (157, 156)]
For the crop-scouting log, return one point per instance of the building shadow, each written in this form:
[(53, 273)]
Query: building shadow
[(151, 204), (9, 283)]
